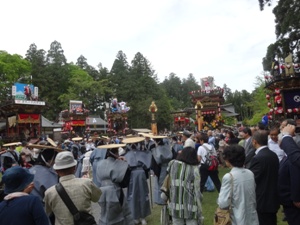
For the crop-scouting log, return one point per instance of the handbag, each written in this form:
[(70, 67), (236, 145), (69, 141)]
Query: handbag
[(167, 182), (222, 216), (80, 217)]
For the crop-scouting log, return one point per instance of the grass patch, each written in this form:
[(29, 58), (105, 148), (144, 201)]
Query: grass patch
[(209, 206)]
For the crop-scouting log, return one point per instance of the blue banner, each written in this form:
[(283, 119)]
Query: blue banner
[(292, 99)]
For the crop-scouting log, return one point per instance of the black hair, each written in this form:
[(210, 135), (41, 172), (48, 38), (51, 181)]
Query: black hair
[(235, 154), (189, 156), (45, 155), (261, 126), (204, 138), (261, 137), (160, 141), (231, 135), (247, 130)]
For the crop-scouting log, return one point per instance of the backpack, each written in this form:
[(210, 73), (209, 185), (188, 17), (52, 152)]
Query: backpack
[(211, 161)]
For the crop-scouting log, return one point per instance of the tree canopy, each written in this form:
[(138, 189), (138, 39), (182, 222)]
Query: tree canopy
[(135, 83)]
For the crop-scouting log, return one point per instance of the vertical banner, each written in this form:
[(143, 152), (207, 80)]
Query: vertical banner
[(13, 90)]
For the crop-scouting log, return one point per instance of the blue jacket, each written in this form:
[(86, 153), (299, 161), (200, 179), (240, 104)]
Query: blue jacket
[(25, 210)]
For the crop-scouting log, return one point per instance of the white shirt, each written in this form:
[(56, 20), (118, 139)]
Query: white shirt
[(274, 147), (260, 148), (202, 151)]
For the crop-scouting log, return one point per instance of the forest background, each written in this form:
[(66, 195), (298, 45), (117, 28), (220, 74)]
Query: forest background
[(136, 82)]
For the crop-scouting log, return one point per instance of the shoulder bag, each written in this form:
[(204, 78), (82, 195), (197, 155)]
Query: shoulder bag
[(222, 216), (80, 217)]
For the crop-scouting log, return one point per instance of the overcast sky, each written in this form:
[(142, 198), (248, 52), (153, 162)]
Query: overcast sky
[(226, 39)]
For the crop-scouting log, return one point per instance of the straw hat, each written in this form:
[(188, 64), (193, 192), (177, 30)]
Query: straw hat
[(110, 146), (133, 140), (104, 137), (146, 135), (46, 147), (51, 142), (12, 144), (129, 136), (157, 136), (77, 139)]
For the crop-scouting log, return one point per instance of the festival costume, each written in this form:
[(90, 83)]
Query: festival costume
[(138, 191), (44, 178), (162, 155), (113, 174), (185, 196)]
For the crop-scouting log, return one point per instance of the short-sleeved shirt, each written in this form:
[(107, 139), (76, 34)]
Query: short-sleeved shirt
[(203, 152)]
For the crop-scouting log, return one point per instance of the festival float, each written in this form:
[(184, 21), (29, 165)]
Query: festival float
[(22, 114), (207, 102), (117, 118), (74, 118), (283, 85)]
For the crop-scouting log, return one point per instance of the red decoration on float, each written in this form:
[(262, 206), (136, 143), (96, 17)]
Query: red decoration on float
[(268, 97), (277, 91), (269, 104), (289, 110)]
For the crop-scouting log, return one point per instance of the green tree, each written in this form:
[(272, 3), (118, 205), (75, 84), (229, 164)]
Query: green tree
[(173, 88), (188, 84), (83, 87), (13, 68), (258, 104), (287, 29), (58, 76), (38, 64)]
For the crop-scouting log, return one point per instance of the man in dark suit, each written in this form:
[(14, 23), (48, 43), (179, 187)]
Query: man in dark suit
[(289, 171), (249, 149), (265, 166), (289, 145)]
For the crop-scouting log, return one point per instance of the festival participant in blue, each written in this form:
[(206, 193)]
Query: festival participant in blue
[(138, 191), (161, 156), (113, 174), (18, 207), (44, 174), (10, 157)]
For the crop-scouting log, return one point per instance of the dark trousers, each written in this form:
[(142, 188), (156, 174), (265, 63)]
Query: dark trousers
[(204, 173), (267, 218), (292, 215)]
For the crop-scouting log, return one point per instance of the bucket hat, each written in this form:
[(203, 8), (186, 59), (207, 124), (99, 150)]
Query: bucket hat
[(64, 160), (16, 179)]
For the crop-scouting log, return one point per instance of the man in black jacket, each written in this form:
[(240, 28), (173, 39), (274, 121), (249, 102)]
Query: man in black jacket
[(265, 166)]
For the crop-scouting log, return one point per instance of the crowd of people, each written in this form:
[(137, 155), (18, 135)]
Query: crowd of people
[(116, 171)]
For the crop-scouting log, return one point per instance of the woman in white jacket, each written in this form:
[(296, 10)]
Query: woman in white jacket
[(243, 200)]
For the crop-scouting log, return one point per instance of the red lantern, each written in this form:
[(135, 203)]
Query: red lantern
[(289, 110), (278, 99), (280, 110), (269, 104), (277, 91), (271, 110), (268, 97), (270, 117), (295, 110)]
